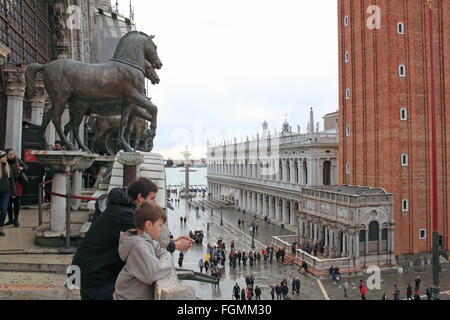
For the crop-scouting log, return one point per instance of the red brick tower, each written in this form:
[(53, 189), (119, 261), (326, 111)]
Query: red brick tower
[(384, 110)]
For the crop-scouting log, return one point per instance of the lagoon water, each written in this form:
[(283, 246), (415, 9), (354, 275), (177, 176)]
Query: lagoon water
[(175, 176)]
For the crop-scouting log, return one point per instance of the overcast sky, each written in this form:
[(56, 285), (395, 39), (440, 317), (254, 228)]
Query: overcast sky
[(228, 65)]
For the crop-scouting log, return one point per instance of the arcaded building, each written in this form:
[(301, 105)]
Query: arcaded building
[(384, 112)]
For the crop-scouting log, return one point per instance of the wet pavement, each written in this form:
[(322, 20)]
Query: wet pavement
[(265, 274)]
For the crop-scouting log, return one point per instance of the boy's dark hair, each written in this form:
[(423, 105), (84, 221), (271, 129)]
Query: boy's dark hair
[(141, 186), (57, 142), (148, 211)]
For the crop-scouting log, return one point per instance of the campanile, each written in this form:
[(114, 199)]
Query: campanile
[(384, 110)]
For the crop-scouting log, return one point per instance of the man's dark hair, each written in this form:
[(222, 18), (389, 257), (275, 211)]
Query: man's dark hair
[(58, 142), (141, 186), (148, 211)]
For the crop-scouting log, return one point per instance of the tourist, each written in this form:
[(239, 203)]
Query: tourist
[(416, 294), (146, 261), (278, 291), (283, 253), (272, 291), (97, 256), (284, 290), (384, 297), (252, 280), (239, 256), (184, 220), (428, 293), (17, 167), (278, 255), (345, 287), (243, 294), (244, 258), (250, 293), (201, 265), (417, 283), (270, 255), (409, 294), (396, 293), (7, 188), (239, 223), (258, 293), (181, 220), (362, 291), (236, 291), (206, 266), (251, 258), (180, 259), (293, 285)]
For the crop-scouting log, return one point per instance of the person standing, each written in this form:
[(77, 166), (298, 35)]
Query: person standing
[(206, 264), (201, 265), (396, 293), (17, 167), (428, 293), (278, 291), (409, 294), (284, 290), (258, 293), (236, 291), (362, 291), (239, 255), (345, 287), (250, 293), (243, 294), (272, 292), (417, 283), (7, 188), (416, 295)]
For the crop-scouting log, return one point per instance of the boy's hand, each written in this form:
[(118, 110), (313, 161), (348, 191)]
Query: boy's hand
[(183, 243)]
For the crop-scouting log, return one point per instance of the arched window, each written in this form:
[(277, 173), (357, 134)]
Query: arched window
[(362, 236), (305, 172), (280, 169), (374, 229), (327, 173), (288, 171)]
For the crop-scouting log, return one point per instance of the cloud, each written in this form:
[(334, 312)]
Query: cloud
[(231, 64)]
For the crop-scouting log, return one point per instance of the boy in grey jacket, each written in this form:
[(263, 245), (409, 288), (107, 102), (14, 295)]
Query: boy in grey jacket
[(146, 261)]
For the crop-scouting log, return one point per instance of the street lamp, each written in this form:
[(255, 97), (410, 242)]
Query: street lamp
[(253, 235), (221, 220)]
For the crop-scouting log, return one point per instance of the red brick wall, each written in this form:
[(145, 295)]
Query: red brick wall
[(378, 137)]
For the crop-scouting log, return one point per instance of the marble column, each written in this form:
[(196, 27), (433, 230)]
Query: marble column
[(15, 91)]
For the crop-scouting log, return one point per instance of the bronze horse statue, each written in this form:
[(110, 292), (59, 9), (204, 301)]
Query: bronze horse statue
[(111, 109), (83, 86), (107, 126)]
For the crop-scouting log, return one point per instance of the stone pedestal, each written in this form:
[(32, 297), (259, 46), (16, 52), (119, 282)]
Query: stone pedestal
[(61, 163), (130, 161)]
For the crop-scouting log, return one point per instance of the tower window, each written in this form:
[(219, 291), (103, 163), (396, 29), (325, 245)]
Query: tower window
[(347, 131), (402, 71), (347, 94), (404, 160), (405, 205), (346, 21), (422, 233), (403, 114), (400, 28), (347, 57)]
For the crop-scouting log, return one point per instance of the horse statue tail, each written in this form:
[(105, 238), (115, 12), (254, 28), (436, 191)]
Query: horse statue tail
[(30, 74)]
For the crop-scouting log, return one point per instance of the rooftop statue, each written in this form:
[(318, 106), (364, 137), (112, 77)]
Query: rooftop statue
[(87, 88)]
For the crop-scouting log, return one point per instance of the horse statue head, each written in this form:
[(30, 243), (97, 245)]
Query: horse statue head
[(138, 48)]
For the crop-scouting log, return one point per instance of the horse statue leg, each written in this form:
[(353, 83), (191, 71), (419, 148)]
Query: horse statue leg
[(56, 119), (123, 124), (45, 122), (130, 128), (142, 101)]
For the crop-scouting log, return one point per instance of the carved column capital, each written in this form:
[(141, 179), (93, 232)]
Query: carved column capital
[(15, 79)]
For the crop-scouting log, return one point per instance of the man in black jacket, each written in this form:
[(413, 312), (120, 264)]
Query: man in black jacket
[(97, 257)]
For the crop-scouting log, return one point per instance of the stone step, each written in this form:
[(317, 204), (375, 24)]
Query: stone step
[(52, 263)]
